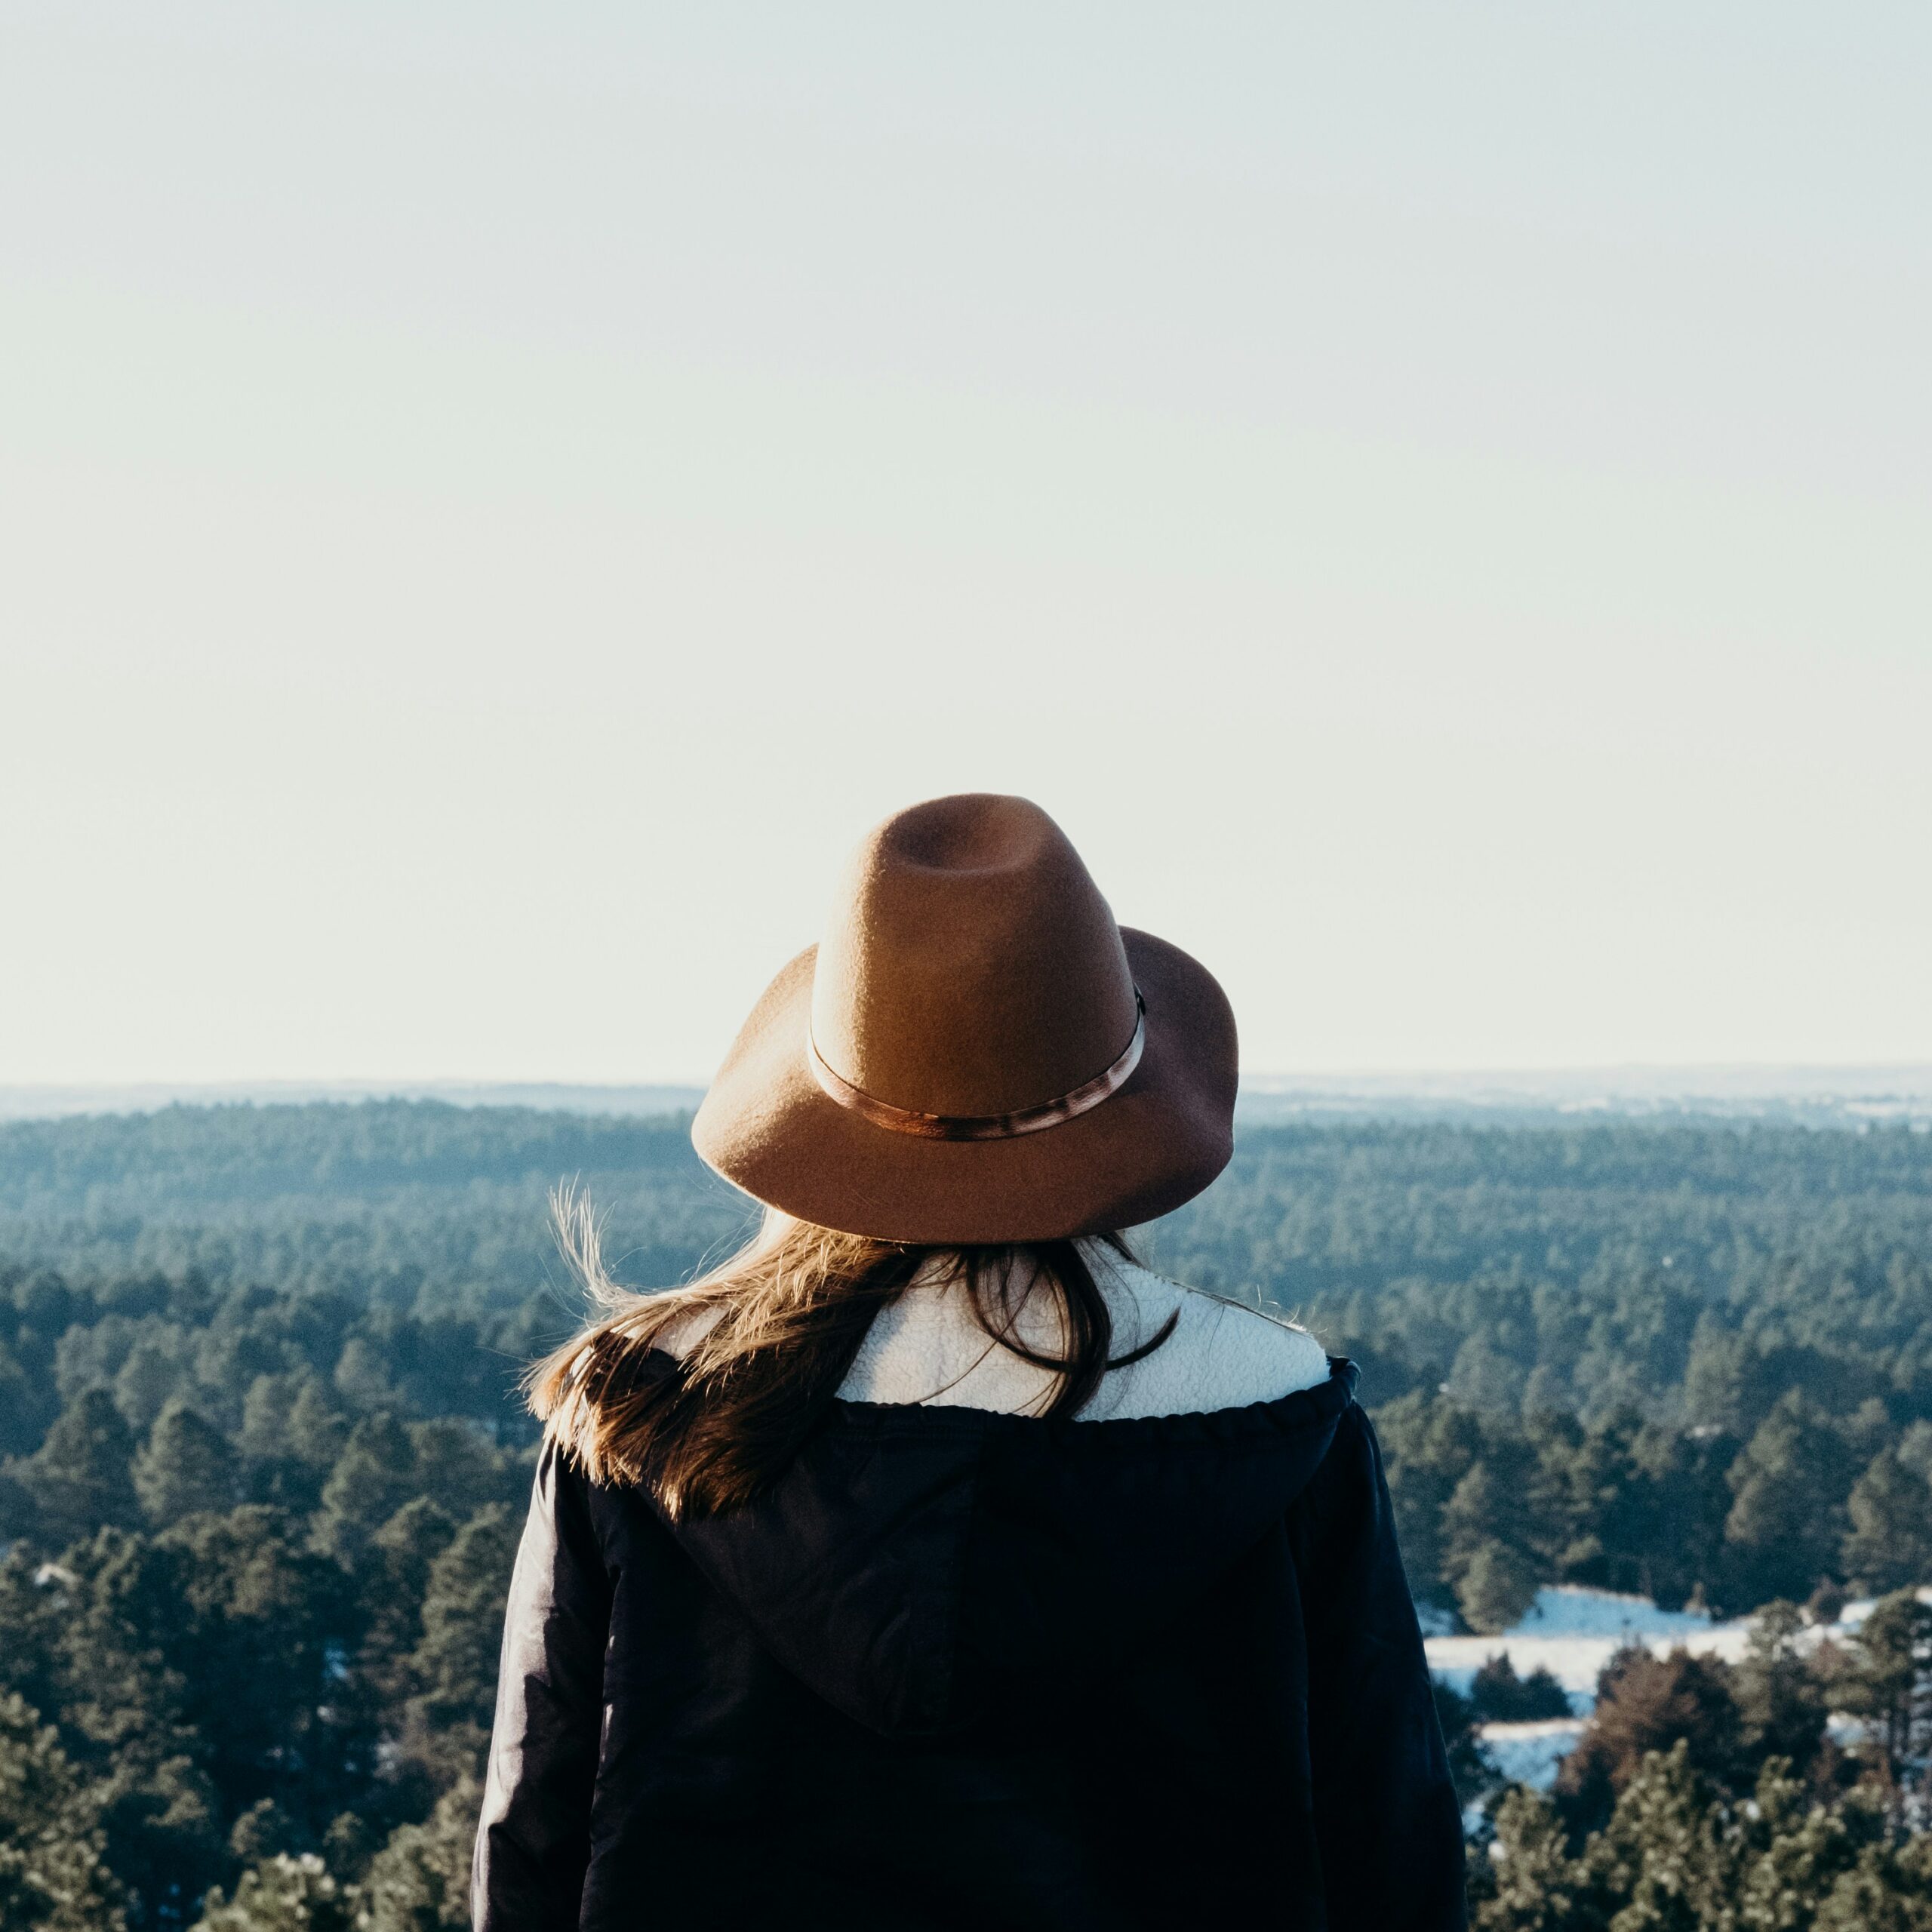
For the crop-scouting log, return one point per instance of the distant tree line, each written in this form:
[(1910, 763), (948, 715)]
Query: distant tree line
[(410, 1205)]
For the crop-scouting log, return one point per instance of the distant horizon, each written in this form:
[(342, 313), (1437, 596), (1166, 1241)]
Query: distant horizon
[(1542, 1070), (1851, 1091)]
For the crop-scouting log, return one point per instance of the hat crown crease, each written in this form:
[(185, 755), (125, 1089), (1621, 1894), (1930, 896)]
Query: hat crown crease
[(970, 967)]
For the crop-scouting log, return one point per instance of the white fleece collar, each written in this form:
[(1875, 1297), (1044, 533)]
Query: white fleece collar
[(927, 1347)]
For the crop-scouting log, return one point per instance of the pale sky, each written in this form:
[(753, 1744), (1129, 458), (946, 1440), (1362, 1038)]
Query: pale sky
[(495, 499)]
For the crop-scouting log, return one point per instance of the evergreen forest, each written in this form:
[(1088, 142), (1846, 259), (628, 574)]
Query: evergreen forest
[(262, 1468)]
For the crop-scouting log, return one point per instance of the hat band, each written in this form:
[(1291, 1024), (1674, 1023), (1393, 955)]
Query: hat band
[(1083, 1099)]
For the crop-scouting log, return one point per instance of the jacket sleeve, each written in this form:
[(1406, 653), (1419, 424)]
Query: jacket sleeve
[(533, 1841), (1387, 1818)]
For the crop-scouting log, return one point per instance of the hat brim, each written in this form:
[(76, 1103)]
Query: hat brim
[(768, 1127)]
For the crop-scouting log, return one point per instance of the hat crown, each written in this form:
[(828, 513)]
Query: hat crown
[(971, 966)]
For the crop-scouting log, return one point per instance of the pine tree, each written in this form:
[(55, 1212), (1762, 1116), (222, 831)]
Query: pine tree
[(1889, 1545), (1889, 1683), (374, 1477), (1500, 1696), (52, 1877), (1646, 1704), (1666, 1849), (1890, 1890), (1793, 1852), (362, 1375), (1428, 1447), (1528, 1882), (150, 1377), (165, 1841), (291, 1436), (455, 1665), (254, 1621), (458, 1466), (1787, 1519), (404, 1553), (265, 1417), (1780, 1704), (186, 1466), (87, 1640), (283, 1894), (1677, 1524), (1681, 1853), (1496, 1584), (318, 1431), (419, 1881), (1492, 1571), (80, 1477), (20, 1426)]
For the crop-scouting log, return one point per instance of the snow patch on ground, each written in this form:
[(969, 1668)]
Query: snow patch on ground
[(1529, 1753), (1572, 1633), (1568, 1610)]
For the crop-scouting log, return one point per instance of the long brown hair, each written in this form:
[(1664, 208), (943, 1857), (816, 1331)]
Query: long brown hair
[(706, 1429)]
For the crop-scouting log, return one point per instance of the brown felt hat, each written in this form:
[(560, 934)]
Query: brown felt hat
[(975, 1051)]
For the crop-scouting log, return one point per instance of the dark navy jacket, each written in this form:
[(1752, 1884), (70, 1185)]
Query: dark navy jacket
[(962, 1670)]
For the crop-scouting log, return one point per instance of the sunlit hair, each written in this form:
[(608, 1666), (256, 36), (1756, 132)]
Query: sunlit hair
[(766, 1339)]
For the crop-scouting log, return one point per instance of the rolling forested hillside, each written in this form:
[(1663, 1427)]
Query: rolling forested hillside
[(258, 1428)]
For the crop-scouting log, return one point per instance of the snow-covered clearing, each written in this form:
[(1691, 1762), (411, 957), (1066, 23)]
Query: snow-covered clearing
[(1529, 1753), (1572, 1633)]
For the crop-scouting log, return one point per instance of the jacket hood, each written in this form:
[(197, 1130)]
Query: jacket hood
[(925, 1568)]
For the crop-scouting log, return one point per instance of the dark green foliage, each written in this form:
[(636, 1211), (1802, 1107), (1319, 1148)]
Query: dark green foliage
[(419, 1881), (1886, 1679), (387, 1202), (1889, 1542), (1489, 1559), (1696, 1362), (263, 1628), (81, 1476), (51, 1876), (283, 1893), (1723, 1725), (403, 1555), (1460, 1716), (1787, 1524), (1680, 1852), (454, 1665), (1780, 1695), (1499, 1696), (372, 1479), (250, 1617), (185, 1466)]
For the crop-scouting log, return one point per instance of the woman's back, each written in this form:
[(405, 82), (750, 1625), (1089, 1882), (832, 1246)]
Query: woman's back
[(963, 1668)]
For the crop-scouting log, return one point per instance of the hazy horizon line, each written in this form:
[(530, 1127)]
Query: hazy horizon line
[(1854, 1091)]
